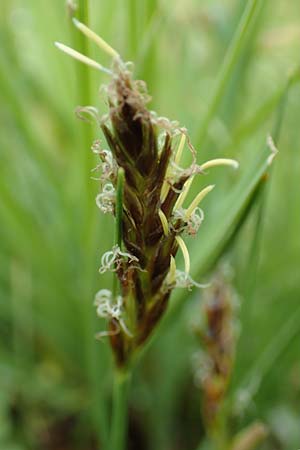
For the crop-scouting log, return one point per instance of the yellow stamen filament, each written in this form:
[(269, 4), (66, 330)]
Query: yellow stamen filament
[(164, 222), (172, 271), (82, 58), (185, 253), (184, 193), (198, 199), (97, 39), (220, 162), (180, 149)]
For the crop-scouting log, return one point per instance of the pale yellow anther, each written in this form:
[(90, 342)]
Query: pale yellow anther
[(220, 162), (184, 193), (80, 57), (172, 271), (164, 222), (180, 149), (164, 190), (166, 186), (97, 39), (198, 199), (185, 253)]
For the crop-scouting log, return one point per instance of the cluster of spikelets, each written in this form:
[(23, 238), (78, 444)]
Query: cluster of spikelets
[(217, 332), (142, 170)]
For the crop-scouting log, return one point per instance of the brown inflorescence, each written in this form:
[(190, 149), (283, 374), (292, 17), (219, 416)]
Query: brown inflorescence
[(150, 217), (217, 336), (132, 136)]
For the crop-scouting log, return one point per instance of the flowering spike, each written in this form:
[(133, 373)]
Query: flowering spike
[(164, 222), (110, 308), (185, 253), (220, 162), (198, 199), (97, 39), (80, 57), (140, 148)]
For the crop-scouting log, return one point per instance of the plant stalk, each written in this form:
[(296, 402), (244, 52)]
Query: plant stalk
[(121, 377), (132, 25), (119, 423)]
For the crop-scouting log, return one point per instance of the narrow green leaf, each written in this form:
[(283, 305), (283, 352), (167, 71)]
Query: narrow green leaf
[(229, 63)]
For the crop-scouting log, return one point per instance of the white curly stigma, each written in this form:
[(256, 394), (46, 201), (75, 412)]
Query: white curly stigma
[(108, 308), (112, 259), (184, 280), (109, 165), (191, 223), (105, 200), (179, 279)]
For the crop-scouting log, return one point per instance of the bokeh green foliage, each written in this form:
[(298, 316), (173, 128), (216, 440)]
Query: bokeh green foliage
[(52, 372)]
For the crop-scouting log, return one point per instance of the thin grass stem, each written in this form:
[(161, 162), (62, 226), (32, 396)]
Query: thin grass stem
[(132, 7), (120, 410)]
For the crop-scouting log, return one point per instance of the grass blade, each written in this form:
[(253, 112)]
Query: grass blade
[(229, 63)]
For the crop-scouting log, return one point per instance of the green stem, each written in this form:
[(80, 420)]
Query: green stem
[(121, 377), (119, 425), (132, 28)]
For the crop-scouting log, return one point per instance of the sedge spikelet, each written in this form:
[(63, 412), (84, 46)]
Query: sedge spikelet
[(147, 149)]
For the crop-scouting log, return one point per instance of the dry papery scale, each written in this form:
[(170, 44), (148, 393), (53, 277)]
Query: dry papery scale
[(144, 186)]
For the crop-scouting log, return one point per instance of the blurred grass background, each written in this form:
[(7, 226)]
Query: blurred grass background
[(55, 379)]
